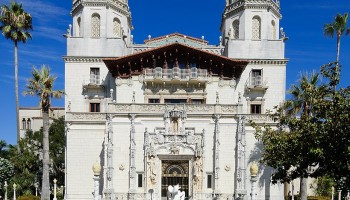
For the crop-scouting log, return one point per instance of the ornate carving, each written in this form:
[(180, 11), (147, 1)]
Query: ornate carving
[(227, 168), (240, 189), (259, 118), (174, 149), (121, 167), (197, 173), (85, 116), (152, 170), (229, 109), (200, 108)]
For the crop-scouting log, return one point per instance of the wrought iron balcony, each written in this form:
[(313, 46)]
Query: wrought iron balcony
[(93, 82), (256, 83), (175, 73)]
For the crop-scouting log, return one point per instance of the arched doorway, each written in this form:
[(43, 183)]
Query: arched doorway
[(175, 172)]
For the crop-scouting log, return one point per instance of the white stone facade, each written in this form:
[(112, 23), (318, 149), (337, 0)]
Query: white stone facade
[(150, 133)]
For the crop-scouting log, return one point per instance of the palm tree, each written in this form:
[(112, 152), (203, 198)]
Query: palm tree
[(300, 105), (41, 85), (15, 24), (338, 27)]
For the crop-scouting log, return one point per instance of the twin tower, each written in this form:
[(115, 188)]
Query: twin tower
[(250, 29)]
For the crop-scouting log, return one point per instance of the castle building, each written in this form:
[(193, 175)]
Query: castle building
[(30, 118), (174, 110)]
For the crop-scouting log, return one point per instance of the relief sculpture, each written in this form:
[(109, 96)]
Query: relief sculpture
[(197, 173), (152, 169)]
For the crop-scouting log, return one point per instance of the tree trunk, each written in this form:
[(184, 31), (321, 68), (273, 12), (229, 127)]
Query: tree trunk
[(338, 47), (16, 91), (45, 187), (303, 188)]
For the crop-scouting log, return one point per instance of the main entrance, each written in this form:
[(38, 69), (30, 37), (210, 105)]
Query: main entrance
[(175, 172)]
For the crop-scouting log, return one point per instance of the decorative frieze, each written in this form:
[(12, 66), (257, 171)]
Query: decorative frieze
[(88, 117), (160, 108), (259, 118)]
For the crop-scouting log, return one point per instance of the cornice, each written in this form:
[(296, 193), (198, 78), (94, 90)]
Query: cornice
[(74, 59), (241, 5), (268, 61)]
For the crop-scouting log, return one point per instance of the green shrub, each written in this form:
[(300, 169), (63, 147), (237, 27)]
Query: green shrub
[(319, 198), (28, 197)]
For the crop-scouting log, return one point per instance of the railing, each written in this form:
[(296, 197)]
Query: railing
[(95, 79), (256, 83), (256, 80), (176, 73)]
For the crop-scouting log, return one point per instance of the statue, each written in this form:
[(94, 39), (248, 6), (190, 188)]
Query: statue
[(197, 173), (152, 170), (175, 125), (174, 193)]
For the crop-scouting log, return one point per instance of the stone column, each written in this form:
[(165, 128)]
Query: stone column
[(96, 168), (5, 185), (216, 153), (253, 174), (14, 191), (240, 186), (109, 148), (54, 189), (132, 172)]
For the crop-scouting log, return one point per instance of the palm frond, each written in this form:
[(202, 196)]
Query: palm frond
[(41, 85), (328, 30)]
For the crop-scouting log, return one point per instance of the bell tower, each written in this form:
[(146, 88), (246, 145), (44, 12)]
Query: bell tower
[(100, 28), (250, 29)]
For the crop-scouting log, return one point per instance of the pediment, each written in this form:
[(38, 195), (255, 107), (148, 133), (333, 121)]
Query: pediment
[(176, 38), (175, 55)]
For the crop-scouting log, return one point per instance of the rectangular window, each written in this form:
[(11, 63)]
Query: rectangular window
[(95, 75), (139, 180), (255, 109), (209, 180), (153, 101), (94, 107), (175, 100)]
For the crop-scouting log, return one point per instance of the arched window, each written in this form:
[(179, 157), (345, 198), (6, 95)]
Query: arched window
[(78, 31), (29, 124), (24, 124), (116, 27), (235, 26), (95, 25), (273, 31), (256, 28)]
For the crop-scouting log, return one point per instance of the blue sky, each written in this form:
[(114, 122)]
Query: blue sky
[(307, 47)]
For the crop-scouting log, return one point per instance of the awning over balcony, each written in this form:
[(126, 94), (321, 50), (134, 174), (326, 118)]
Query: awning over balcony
[(175, 56)]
